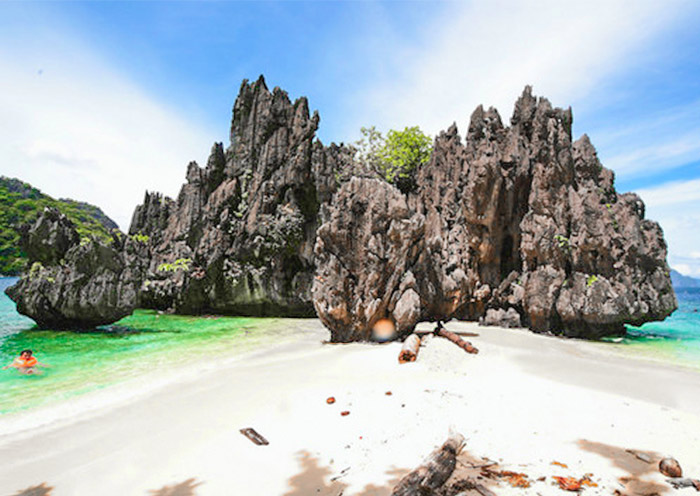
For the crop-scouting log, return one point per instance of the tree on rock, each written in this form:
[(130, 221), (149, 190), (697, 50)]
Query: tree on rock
[(398, 156)]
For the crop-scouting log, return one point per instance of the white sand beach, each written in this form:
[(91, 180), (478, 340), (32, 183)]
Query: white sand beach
[(524, 401)]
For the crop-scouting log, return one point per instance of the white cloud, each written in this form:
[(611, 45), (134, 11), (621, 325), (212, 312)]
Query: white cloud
[(672, 194), (75, 127), (662, 141), (676, 207), (485, 52), (663, 155), (684, 269)]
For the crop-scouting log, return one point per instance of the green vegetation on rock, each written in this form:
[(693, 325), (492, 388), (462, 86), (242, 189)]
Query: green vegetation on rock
[(21, 203), (141, 238), (398, 156), (179, 264)]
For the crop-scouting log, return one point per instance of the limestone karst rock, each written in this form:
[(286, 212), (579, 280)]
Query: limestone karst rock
[(516, 226), (74, 283), (244, 227), (364, 254)]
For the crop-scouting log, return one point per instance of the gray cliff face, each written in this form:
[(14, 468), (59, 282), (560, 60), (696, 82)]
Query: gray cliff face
[(245, 225), (517, 227), (74, 285), (365, 254), (514, 226)]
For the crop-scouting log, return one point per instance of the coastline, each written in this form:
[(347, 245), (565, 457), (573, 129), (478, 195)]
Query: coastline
[(525, 400)]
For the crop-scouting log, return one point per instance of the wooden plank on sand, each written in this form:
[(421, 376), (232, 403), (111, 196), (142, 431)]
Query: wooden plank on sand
[(254, 436)]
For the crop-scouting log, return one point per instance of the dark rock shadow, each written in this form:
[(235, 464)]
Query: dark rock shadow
[(41, 490), (318, 480), (184, 488), (636, 468)]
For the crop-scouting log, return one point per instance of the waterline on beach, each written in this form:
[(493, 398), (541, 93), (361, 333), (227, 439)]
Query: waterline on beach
[(139, 348)]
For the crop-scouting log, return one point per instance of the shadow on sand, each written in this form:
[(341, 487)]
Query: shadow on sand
[(318, 480), (636, 469), (184, 488), (41, 490)]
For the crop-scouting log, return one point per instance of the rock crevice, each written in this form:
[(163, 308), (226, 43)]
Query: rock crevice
[(515, 226)]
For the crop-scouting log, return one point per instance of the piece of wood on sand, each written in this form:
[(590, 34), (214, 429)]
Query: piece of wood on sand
[(254, 436), (479, 488), (451, 336), (680, 483), (409, 350), (639, 455), (434, 472)]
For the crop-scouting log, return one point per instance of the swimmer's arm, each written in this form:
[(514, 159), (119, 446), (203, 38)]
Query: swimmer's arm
[(45, 365)]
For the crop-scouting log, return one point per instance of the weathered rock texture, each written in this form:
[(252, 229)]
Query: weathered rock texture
[(74, 284), (244, 227), (517, 226)]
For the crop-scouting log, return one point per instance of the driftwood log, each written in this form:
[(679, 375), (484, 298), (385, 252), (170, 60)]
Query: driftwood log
[(451, 336), (409, 350), (680, 483), (434, 472), (412, 344)]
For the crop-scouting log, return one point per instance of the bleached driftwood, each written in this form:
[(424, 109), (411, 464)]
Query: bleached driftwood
[(409, 350), (434, 472)]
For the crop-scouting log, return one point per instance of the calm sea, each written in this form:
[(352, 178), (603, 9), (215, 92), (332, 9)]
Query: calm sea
[(149, 342), (139, 347), (676, 339)]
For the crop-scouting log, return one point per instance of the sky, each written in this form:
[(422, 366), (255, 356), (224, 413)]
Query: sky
[(101, 101)]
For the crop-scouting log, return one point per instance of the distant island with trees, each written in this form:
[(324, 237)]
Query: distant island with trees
[(21, 203)]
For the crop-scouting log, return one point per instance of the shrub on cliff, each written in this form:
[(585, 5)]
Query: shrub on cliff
[(398, 156)]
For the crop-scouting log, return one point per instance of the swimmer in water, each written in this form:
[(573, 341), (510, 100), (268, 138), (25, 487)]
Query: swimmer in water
[(26, 363)]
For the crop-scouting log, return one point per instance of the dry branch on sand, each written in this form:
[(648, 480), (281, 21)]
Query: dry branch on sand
[(434, 472), (412, 344)]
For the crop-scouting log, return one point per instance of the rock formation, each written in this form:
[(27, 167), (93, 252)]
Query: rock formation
[(514, 226), (239, 238), (74, 284), (517, 226)]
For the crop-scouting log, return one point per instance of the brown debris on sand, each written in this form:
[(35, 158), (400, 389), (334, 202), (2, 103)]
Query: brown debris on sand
[(670, 468), (254, 436), (451, 336)]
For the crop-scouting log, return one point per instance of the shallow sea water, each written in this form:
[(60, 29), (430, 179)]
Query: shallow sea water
[(137, 346)]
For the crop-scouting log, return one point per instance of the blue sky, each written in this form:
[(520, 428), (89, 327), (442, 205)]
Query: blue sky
[(102, 100)]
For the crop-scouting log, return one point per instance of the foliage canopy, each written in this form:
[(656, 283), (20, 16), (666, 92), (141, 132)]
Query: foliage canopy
[(21, 203), (398, 156)]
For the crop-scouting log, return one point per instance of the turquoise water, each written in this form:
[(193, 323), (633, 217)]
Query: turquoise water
[(676, 339), (135, 347), (148, 342)]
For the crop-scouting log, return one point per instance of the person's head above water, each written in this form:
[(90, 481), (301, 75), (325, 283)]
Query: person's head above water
[(25, 354)]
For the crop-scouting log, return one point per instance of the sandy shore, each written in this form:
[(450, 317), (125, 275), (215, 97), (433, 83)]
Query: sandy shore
[(524, 401)]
